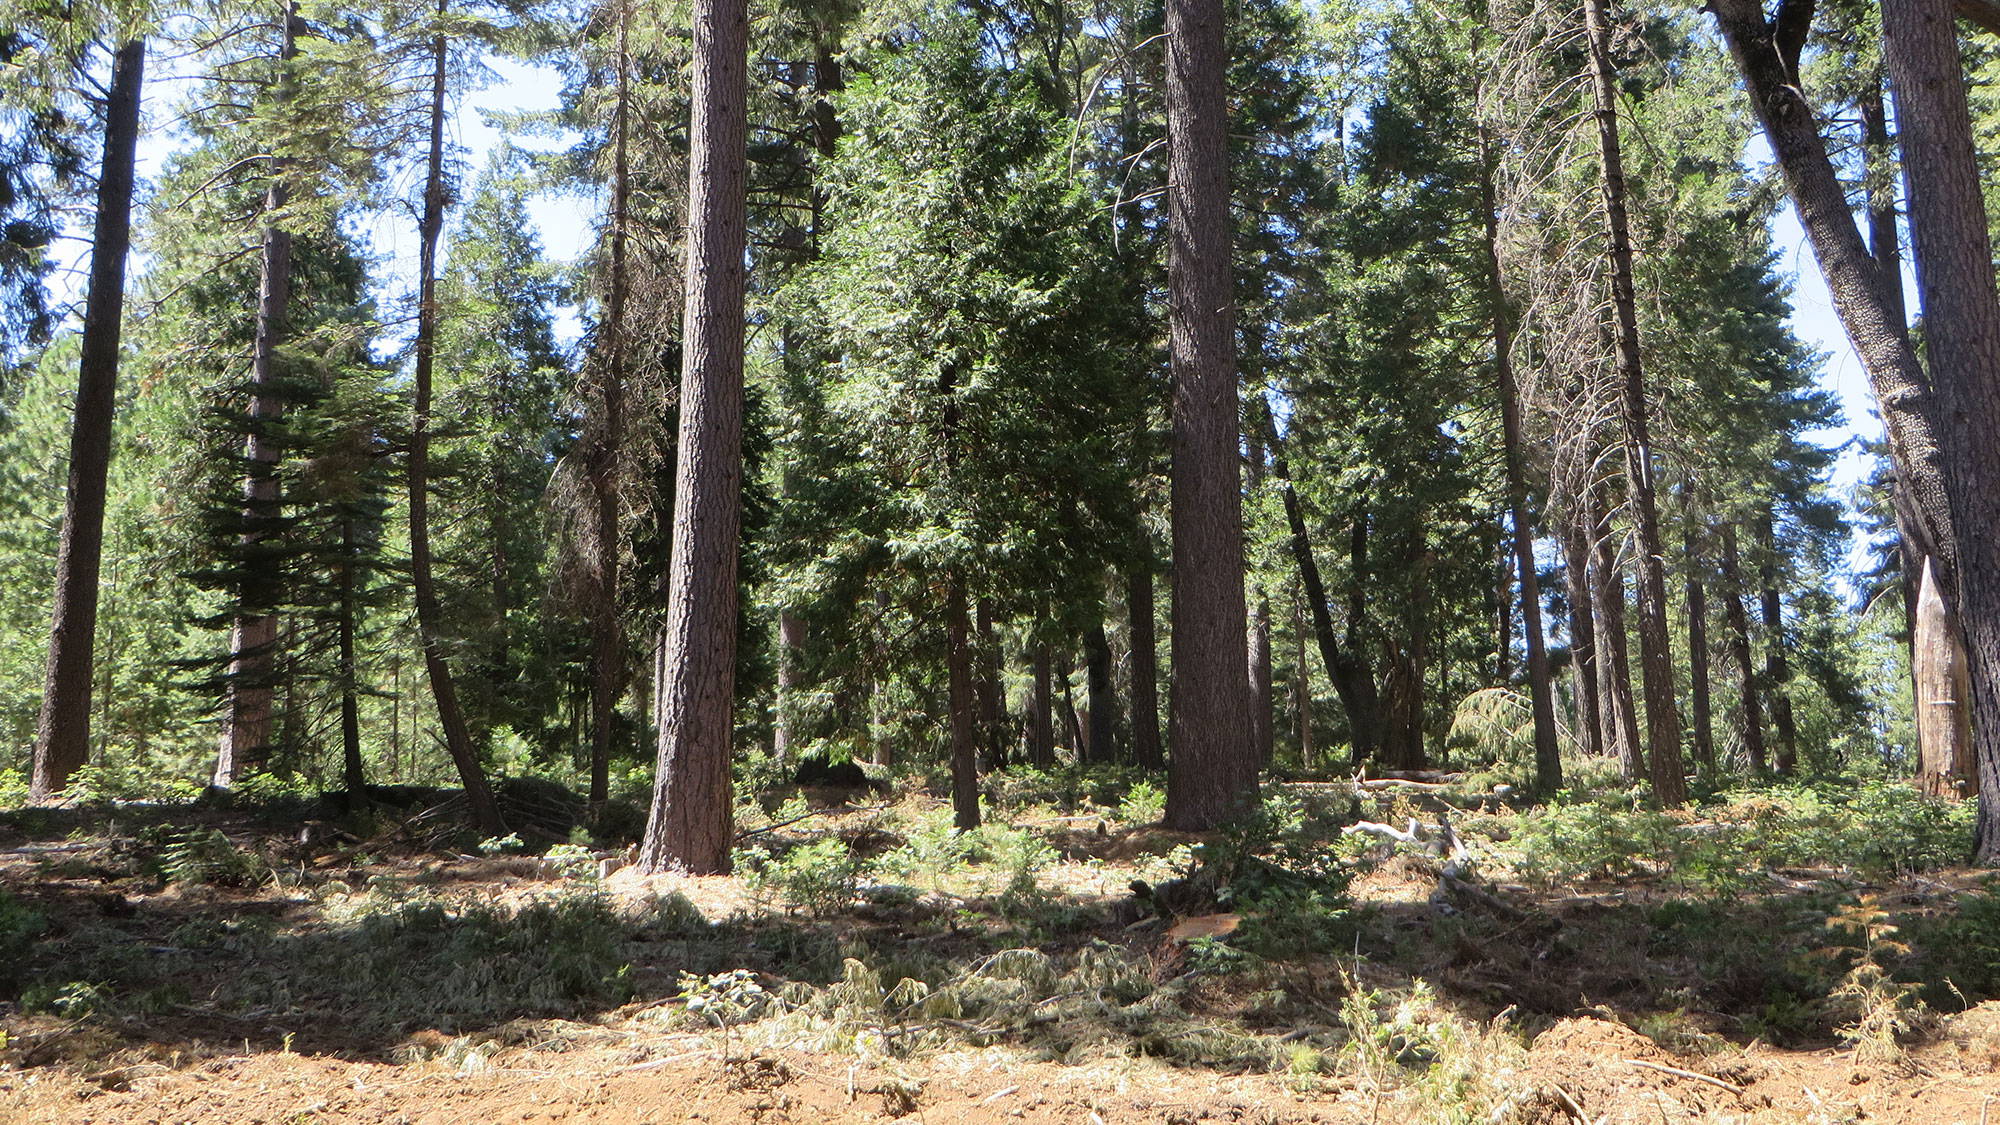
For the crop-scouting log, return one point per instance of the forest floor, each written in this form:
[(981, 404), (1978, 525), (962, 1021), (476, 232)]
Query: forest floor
[(284, 962)]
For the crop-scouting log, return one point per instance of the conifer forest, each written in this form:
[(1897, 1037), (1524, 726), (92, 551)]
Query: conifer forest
[(1071, 561)]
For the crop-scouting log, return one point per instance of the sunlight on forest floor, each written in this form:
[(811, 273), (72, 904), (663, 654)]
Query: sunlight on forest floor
[(1780, 954)]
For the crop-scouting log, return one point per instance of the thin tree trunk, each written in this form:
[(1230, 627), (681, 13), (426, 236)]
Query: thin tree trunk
[(1541, 695), (607, 632), (430, 614), (1663, 727), (1353, 680), (1739, 650), (1590, 729), (1213, 769), (964, 713), (253, 642), (1041, 712), (791, 642), (1103, 695), (1953, 251), (691, 823), (1261, 703), (353, 772), (62, 730), (992, 689), (1073, 728), (1614, 667), (1302, 683), (1777, 670), (1145, 669), (1500, 603), (1697, 615)]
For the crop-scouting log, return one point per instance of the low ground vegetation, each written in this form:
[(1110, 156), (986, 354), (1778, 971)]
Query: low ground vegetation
[(1432, 978)]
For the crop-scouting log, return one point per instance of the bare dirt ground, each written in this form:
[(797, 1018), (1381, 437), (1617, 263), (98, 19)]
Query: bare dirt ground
[(1530, 1008)]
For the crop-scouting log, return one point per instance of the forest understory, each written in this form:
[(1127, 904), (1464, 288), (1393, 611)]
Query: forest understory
[(1788, 953)]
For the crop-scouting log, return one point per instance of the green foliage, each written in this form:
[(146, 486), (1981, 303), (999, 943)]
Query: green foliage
[(819, 878), (202, 855), (1144, 803), (1877, 828), (20, 926)]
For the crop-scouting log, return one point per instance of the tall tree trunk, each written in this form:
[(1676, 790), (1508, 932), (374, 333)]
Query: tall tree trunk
[(1739, 650), (1590, 729), (1074, 731), (353, 772), (691, 823), (607, 632), (430, 614), (992, 689), (62, 731), (1946, 762), (1041, 712), (1145, 669), (1777, 670), (1953, 251), (245, 739), (1262, 737), (791, 643), (878, 689), (963, 706), (1859, 284), (1302, 683), (1614, 666), (1353, 679), (1103, 695), (825, 129), (1213, 769), (1541, 695), (1697, 615), (1663, 727), (1261, 714)]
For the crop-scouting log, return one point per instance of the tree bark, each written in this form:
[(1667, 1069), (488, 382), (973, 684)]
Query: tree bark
[(1302, 684), (1858, 283), (1353, 680), (1953, 251), (354, 773), (1541, 695), (430, 614), (791, 642), (1946, 762), (1582, 638), (1261, 702), (1213, 769), (1041, 712), (245, 739), (1777, 669), (690, 827), (992, 689), (1739, 650), (607, 632), (1697, 615), (1103, 737), (963, 706), (1145, 669), (1663, 727), (62, 734), (1614, 662)]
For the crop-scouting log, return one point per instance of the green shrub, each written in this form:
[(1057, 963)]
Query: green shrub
[(20, 926), (818, 878), (200, 855)]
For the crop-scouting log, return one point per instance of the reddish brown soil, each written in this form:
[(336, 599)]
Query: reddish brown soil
[(1579, 1070)]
